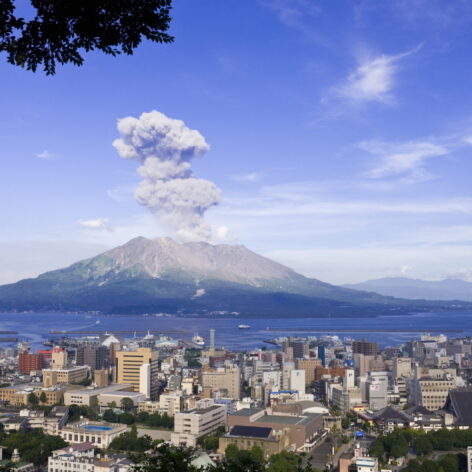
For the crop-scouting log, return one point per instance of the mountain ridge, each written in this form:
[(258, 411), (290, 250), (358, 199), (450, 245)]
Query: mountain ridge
[(417, 289), (162, 275)]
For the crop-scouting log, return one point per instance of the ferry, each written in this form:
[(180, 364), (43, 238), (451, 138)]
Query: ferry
[(243, 326), (198, 340)]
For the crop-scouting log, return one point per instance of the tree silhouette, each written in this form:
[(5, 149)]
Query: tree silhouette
[(61, 30)]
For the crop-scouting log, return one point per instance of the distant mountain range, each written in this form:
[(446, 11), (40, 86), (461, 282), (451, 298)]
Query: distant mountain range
[(416, 289), (161, 275)]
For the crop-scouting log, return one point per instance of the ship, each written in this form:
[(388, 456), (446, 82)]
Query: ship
[(198, 340), (243, 326)]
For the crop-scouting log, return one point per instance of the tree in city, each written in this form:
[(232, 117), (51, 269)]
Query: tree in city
[(284, 462), (165, 458), (33, 399), (60, 31), (130, 441), (43, 398), (127, 404), (377, 449), (422, 446), (34, 446)]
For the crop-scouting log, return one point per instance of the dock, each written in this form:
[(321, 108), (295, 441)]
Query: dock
[(109, 332), (365, 330)]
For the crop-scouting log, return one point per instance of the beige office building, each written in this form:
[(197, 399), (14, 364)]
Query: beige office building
[(67, 375), (430, 393), (138, 368), (228, 379), (309, 366)]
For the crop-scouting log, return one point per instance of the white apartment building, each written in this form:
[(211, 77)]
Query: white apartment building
[(367, 464), (81, 458), (297, 380), (99, 434), (190, 425)]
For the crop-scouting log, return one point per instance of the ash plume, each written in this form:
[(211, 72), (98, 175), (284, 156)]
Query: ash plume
[(164, 147)]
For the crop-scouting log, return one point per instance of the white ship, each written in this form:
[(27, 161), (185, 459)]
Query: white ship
[(243, 326), (198, 340)]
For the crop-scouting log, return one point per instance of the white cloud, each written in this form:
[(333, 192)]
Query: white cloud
[(467, 139), (98, 224), (405, 160), (358, 263), (46, 155), (372, 80), (249, 177)]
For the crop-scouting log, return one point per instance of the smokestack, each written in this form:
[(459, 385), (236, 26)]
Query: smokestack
[(212, 338)]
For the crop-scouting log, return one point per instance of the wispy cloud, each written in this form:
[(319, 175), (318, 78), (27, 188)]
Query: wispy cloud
[(46, 155), (402, 160), (373, 80), (98, 224), (299, 15), (250, 177), (121, 193)]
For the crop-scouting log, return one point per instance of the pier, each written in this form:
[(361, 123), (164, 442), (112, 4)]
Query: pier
[(118, 332)]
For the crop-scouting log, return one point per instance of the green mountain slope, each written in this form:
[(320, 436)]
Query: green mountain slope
[(162, 275)]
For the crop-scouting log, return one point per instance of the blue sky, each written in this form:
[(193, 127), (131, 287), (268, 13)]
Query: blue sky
[(340, 135)]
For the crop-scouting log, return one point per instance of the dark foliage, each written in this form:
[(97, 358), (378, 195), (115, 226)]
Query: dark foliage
[(61, 30)]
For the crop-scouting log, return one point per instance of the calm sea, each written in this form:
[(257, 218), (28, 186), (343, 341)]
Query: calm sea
[(387, 330)]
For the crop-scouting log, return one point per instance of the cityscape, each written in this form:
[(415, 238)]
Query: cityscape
[(333, 403), (235, 236)]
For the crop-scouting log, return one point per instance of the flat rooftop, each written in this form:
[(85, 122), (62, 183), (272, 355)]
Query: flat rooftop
[(247, 412), (287, 419)]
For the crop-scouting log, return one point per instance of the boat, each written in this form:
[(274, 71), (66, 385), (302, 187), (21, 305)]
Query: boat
[(243, 326), (198, 340)]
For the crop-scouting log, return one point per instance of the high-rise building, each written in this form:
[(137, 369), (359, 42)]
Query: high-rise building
[(322, 355), (299, 348), (309, 366), (28, 362), (139, 368), (93, 356), (58, 358), (297, 381), (228, 379), (377, 388), (402, 367), (365, 347), (349, 379)]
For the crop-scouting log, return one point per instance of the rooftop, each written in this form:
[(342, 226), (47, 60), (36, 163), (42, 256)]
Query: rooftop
[(247, 412), (250, 432)]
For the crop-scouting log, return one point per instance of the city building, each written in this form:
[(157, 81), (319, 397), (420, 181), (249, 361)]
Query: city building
[(139, 368), (309, 366), (223, 379), (246, 437), (87, 396), (304, 429), (18, 395), (29, 363), (190, 425), (82, 458), (93, 356), (64, 375), (99, 434), (366, 348)]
